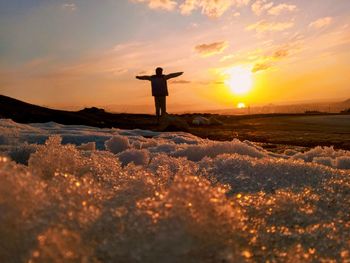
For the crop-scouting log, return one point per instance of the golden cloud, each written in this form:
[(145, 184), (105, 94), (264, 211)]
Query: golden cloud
[(207, 50), (261, 6), (211, 8), (260, 67), (281, 53), (278, 9), (273, 57), (159, 4), (263, 26), (322, 22)]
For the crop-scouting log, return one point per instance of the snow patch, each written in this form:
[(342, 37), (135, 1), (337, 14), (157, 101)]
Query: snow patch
[(166, 197), (117, 144)]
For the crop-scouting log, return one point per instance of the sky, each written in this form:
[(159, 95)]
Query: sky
[(83, 53)]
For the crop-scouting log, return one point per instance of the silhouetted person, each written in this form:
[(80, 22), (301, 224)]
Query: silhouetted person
[(160, 89)]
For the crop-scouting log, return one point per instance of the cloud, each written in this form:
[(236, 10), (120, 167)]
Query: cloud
[(117, 71), (228, 57), (281, 53), (278, 9), (180, 82), (260, 67), (274, 56), (263, 26), (322, 22), (211, 8), (159, 4), (261, 6), (207, 50), (236, 14), (69, 6)]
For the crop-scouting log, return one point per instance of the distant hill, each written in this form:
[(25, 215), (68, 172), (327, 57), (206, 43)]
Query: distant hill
[(24, 112)]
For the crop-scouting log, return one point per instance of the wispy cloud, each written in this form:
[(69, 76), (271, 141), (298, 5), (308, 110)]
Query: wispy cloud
[(321, 22), (117, 71), (281, 8), (261, 6), (159, 4), (281, 53), (69, 6), (265, 6), (180, 82), (260, 67), (275, 55), (263, 26), (207, 50), (237, 14), (211, 8)]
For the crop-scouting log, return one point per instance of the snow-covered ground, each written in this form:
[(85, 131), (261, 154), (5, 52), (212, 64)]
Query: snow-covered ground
[(82, 194)]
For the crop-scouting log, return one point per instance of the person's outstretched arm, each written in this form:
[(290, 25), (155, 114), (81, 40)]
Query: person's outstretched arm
[(173, 75), (144, 77)]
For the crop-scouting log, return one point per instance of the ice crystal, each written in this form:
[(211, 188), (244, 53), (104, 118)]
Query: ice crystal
[(168, 197)]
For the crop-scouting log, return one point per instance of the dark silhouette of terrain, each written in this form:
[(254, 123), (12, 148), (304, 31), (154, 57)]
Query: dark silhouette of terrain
[(23, 112), (272, 130)]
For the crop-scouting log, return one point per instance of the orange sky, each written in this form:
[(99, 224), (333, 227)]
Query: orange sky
[(87, 53)]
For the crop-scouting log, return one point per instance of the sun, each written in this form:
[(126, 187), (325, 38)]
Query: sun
[(241, 105), (239, 80)]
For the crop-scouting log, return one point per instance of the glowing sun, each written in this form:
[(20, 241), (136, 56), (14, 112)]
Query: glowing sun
[(240, 80), (241, 105)]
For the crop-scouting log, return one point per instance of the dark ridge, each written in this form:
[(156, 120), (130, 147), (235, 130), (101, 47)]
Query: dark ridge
[(24, 112)]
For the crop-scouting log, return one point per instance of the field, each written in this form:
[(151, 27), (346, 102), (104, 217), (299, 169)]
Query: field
[(275, 131)]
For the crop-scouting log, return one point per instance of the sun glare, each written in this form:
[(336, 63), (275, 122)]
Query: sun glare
[(241, 105), (239, 80)]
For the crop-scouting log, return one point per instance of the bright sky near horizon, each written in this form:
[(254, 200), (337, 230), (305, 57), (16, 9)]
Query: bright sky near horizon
[(64, 53)]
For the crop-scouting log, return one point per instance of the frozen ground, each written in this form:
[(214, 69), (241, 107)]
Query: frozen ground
[(342, 121), (82, 194), (299, 130)]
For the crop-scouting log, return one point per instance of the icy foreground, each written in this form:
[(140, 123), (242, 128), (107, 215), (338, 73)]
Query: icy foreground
[(81, 194)]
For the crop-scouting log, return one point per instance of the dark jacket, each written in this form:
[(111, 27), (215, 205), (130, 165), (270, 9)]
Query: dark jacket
[(159, 83), (159, 86)]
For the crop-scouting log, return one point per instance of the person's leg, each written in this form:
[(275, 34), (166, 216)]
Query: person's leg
[(157, 105), (163, 105)]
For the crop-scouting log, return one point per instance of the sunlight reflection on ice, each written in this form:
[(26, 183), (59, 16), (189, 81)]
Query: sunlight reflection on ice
[(186, 199)]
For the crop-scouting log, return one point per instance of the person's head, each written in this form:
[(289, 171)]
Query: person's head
[(159, 71)]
